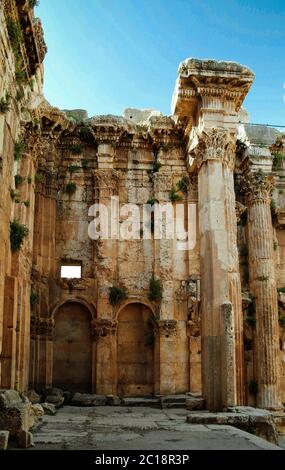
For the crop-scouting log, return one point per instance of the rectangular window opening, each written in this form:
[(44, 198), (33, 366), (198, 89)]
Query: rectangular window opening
[(71, 271)]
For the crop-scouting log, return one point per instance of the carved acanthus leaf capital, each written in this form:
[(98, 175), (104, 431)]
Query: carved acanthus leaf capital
[(257, 187), (165, 328), (215, 144), (100, 328), (43, 327)]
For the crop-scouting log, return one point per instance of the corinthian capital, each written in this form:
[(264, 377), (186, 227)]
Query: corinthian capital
[(215, 144), (100, 328), (257, 186)]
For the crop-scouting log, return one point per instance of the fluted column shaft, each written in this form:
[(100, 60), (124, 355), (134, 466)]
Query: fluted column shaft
[(220, 281), (263, 288)]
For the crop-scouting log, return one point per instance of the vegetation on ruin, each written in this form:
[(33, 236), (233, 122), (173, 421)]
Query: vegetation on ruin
[(253, 387), (70, 188), (156, 166), (183, 184), (27, 203), (20, 94), (18, 180), (29, 180), (282, 320), (174, 196), (18, 232), (38, 178), (19, 148), (152, 201), (275, 245), (73, 168), (5, 103), (281, 290), (117, 294), (76, 149), (155, 289), (84, 164), (16, 37), (13, 194), (277, 161)]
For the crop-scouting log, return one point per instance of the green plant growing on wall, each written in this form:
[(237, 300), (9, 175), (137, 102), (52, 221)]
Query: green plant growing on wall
[(38, 178), (29, 180), (281, 290), (183, 184), (275, 245), (277, 161), (253, 387), (5, 104), (27, 203), (20, 94), (173, 195), (19, 148), (18, 232), (15, 34), (152, 201), (76, 149), (73, 168), (84, 164), (155, 290), (116, 295), (13, 194), (18, 180), (156, 166), (262, 278), (70, 188)]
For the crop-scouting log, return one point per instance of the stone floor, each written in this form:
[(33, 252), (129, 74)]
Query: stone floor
[(137, 428)]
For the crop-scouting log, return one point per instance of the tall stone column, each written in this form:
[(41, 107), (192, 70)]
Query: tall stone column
[(220, 282), (258, 187), (104, 333), (206, 102)]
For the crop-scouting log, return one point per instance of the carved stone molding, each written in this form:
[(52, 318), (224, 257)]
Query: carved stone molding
[(165, 328), (42, 327), (215, 144), (100, 328), (257, 187), (106, 179)]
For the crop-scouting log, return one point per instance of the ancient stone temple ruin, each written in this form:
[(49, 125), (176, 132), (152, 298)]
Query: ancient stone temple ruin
[(140, 317)]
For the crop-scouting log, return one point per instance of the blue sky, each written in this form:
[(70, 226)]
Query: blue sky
[(105, 55)]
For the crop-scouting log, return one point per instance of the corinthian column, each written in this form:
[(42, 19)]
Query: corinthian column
[(258, 187), (220, 281)]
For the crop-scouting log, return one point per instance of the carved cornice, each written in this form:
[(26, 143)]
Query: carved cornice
[(215, 144), (165, 328), (100, 328), (42, 327), (257, 187)]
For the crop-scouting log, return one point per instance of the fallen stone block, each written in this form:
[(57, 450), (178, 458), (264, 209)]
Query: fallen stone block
[(38, 410), (33, 396), (16, 413), (101, 400), (49, 409), (195, 403), (83, 399), (4, 438), (113, 400), (26, 439), (54, 395)]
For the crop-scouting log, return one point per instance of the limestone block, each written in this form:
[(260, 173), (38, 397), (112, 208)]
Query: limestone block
[(195, 403), (113, 400), (33, 396), (16, 413), (26, 439), (54, 395), (83, 399), (38, 410), (4, 437), (49, 409)]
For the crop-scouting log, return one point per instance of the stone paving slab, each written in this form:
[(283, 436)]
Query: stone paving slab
[(117, 428)]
